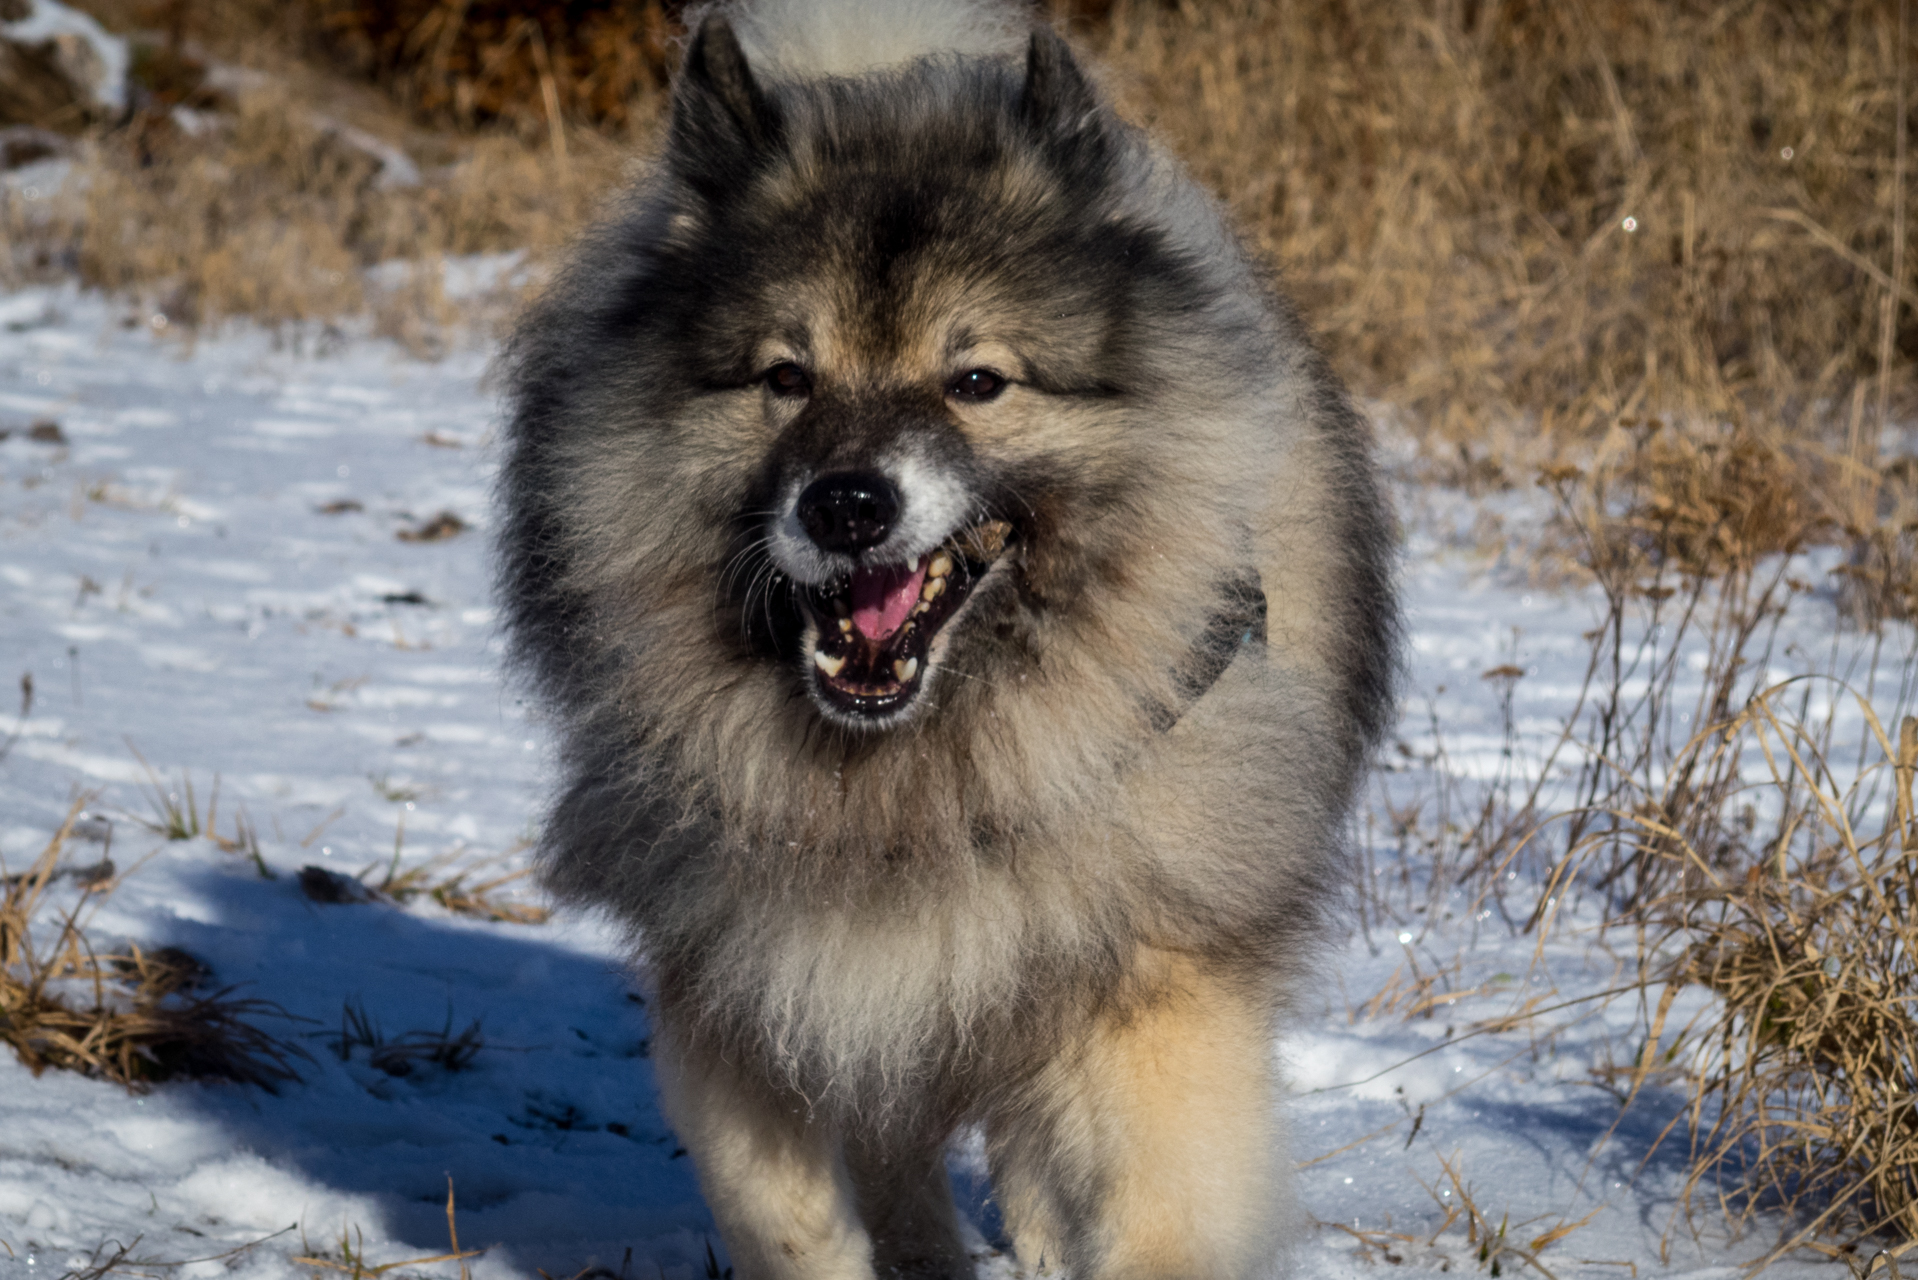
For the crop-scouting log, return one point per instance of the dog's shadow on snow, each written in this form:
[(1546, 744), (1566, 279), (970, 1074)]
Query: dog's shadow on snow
[(544, 1117)]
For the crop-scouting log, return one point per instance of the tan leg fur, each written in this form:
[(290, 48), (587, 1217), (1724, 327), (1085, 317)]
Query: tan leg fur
[(775, 1184), (1146, 1153)]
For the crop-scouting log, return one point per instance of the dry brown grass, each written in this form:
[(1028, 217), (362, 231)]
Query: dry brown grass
[(276, 217), (255, 181), (1777, 869), (1496, 1248), (1744, 842), (1807, 1074), (528, 64), (460, 880), (1663, 503), (133, 1017), (1708, 504), (349, 1254), (1446, 184), (1732, 831), (462, 884)]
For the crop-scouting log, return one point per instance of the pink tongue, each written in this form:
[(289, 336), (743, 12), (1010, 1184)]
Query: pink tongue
[(882, 598)]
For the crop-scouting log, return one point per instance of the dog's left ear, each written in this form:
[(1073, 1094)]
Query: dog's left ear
[(723, 122), (1058, 101)]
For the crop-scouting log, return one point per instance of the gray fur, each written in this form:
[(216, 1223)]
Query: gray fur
[(891, 931)]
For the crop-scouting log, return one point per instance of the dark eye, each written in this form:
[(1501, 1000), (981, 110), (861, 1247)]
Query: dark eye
[(976, 384), (788, 379)]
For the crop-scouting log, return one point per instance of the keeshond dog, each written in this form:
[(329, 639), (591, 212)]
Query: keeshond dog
[(963, 598)]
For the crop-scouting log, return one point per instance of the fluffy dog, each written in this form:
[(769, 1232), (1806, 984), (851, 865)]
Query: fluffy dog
[(962, 594)]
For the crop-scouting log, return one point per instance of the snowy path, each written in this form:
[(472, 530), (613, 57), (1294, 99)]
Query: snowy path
[(207, 567)]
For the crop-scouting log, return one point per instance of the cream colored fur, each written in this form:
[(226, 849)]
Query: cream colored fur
[(777, 1186), (1173, 1101)]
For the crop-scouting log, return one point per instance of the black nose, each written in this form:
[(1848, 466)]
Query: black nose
[(849, 511)]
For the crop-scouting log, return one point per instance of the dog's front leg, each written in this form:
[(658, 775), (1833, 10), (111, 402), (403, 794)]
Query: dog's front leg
[(906, 1202), (777, 1186), (1149, 1151)]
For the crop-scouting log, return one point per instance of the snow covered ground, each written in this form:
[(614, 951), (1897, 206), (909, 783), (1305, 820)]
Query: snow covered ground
[(204, 565)]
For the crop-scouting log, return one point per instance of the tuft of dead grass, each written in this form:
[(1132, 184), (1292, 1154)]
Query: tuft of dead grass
[(400, 1055), (349, 1253), (1690, 542), (1747, 847), (459, 880), (1806, 1080), (1496, 1248), (1706, 504), (463, 885), (174, 814), (133, 1017)]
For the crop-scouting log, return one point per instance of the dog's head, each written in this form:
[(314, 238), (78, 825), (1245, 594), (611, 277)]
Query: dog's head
[(915, 381)]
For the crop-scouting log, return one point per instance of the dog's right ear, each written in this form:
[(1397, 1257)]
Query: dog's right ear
[(723, 122), (1058, 101)]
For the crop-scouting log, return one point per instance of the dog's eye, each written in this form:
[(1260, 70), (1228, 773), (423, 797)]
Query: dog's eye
[(788, 379), (976, 384)]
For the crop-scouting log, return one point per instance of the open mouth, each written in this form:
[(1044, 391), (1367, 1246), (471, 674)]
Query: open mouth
[(876, 626)]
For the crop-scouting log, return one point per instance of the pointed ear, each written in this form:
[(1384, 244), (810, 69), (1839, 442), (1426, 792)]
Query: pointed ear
[(1059, 102), (723, 122)]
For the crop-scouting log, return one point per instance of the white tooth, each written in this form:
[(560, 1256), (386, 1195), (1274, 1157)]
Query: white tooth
[(845, 624), (932, 588), (921, 607), (941, 566), (826, 662), (906, 670)]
